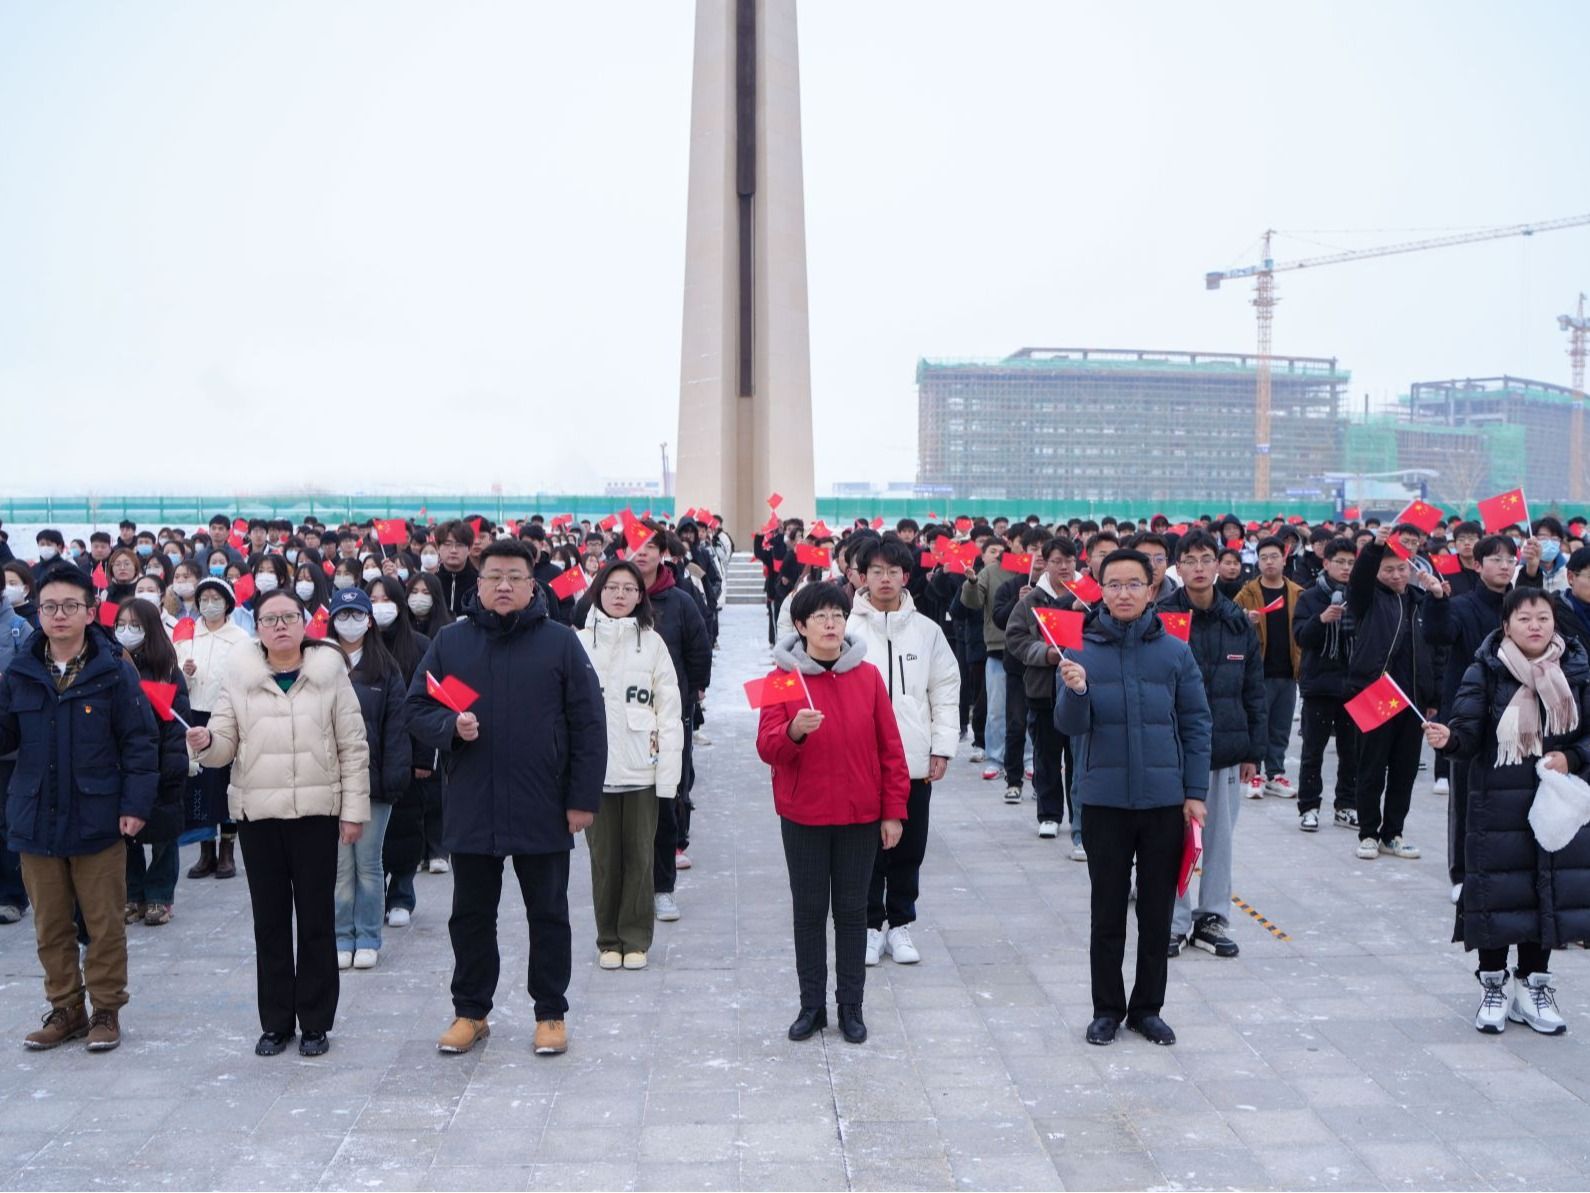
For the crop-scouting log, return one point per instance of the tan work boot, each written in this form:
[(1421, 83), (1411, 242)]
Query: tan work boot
[(104, 1032), (60, 1025), (463, 1035), (552, 1037)]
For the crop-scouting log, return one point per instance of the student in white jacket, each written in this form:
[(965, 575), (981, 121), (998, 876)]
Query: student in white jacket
[(645, 755), (924, 683)]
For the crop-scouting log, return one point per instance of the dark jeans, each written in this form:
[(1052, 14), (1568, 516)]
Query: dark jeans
[(433, 795), (897, 872), (974, 701), (828, 869), (12, 892), (154, 880), (673, 823), (1531, 959), (1324, 718), (1388, 763), (1280, 700), (1051, 764), (1114, 839), (292, 875), (477, 890), (1016, 730)]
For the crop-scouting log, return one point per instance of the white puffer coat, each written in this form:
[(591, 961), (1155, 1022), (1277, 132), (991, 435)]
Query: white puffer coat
[(640, 690), (922, 676), (210, 651), (296, 753)]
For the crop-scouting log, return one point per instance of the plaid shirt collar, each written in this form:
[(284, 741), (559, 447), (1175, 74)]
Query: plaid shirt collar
[(65, 678)]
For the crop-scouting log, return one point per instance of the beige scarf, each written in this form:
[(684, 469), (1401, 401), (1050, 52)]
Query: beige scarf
[(1541, 682)]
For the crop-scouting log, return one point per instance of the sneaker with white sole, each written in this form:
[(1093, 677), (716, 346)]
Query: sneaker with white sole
[(1013, 795), (976, 756), (344, 958), (366, 958), (1029, 774), (1078, 853), (667, 910), (1346, 817), (1048, 829), (1280, 787), (609, 959), (682, 860), (399, 917), (898, 942), (1209, 934), (1253, 788), (1491, 1018), (438, 865), (990, 773), (1308, 822), (1535, 1003), (1397, 847), (1442, 787), (1368, 849), (874, 945)]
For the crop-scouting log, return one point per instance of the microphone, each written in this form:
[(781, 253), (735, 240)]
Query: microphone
[(1338, 597)]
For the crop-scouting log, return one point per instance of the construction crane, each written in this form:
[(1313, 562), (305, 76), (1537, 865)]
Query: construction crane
[(1575, 326), (1264, 301)]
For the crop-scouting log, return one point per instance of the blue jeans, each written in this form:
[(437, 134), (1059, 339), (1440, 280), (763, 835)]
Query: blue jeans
[(994, 725), (1280, 696), (361, 885), (156, 881)]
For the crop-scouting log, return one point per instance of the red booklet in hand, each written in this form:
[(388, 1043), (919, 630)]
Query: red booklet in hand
[(1191, 850)]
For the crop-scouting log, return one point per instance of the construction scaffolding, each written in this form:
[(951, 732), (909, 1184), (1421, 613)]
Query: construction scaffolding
[(1523, 428)]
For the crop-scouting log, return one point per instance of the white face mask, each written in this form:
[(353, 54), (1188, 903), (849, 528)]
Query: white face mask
[(351, 627), (385, 614), (47, 552), (305, 589), (265, 582), (131, 637), (16, 595), (184, 589), (419, 603), (212, 610), (371, 574), (403, 573), (342, 580), (152, 597), (430, 562), (292, 554)]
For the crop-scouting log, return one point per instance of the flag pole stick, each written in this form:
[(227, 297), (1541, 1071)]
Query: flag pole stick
[(806, 690)]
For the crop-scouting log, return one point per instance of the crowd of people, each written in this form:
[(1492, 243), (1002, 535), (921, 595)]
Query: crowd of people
[(351, 706)]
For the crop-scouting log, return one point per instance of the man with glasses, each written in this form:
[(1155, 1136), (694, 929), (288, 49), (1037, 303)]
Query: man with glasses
[(528, 758), (1270, 599), (86, 775), (454, 543)]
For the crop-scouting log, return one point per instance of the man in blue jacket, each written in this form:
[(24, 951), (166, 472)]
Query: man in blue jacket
[(87, 771), (525, 774), (1132, 702)]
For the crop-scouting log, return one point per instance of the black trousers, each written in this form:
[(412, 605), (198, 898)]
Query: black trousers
[(1457, 819), (1324, 718), (1051, 763), (897, 873), (1531, 959), (673, 823), (974, 700), (1388, 764), (1114, 839), (433, 796), (828, 869), (292, 873), (1016, 729), (477, 890)]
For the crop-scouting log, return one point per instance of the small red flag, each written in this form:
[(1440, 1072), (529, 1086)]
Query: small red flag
[(450, 692), (1192, 849), (1060, 627), (637, 536), (779, 688), (1350, 513), (318, 624), (813, 556), (1377, 704), (877, 523), (774, 500), (1253, 525), (243, 590), (1177, 625), (570, 583), (932, 517), (1295, 520), (1179, 528), (1394, 545), (563, 520), (1276, 605), (608, 522), (1019, 562), (1447, 565), (107, 614), (1234, 544), (821, 531), (240, 526), (328, 567), (183, 630), (475, 524), (1421, 514), (962, 524), (236, 541), (161, 697), (1503, 510), (101, 581), (392, 532), (1086, 589)]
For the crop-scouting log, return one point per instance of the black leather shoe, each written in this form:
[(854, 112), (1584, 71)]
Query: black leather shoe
[(1102, 1030), (1153, 1029), (273, 1043), (808, 1022), (850, 1024), (314, 1043)]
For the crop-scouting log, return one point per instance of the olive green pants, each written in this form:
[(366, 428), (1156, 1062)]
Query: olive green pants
[(620, 841)]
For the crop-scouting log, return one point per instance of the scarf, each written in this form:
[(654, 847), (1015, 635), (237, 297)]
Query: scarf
[(1541, 682)]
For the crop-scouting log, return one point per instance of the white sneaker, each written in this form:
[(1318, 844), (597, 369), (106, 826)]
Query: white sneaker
[(1535, 1003), (1254, 788), (1078, 853), (1048, 828), (398, 917), (992, 772), (977, 756), (702, 739), (667, 909), (1308, 822), (1491, 1018), (609, 959), (1442, 787), (1029, 774), (1368, 849), (344, 958), (1397, 847), (874, 945), (439, 865), (1013, 795), (1457, 893), (365, 958), (898, 942), (1280, 787)]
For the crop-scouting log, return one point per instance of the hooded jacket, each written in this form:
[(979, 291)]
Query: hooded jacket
[(852, 769), (677, 620), (209, 649), (1226, 648), (1326, 645), (301, 752), (1386, 635), (1462, 623), (640, 693), (920, 674), (542, 749), (1140, 732)]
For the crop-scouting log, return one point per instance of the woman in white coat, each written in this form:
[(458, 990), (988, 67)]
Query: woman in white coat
[(288, 721), (203, 660), (645, 753)]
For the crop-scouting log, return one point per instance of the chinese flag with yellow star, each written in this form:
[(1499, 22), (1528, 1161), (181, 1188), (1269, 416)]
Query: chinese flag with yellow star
[(778, 688), (1377, 704), (1177, 625), (1421, 514), (1503, 510)]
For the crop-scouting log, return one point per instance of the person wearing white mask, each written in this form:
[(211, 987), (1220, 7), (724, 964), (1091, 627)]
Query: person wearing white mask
[(182, 596), (152, 588), (270, 574), (428, 605), (19, 590), (370, 569), (203, 660), (51, 545), (312, 585), (430, 558), (378, 683), (349, 574)]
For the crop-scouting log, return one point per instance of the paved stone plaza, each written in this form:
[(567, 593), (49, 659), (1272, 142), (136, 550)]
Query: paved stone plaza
[(1340, 1056)]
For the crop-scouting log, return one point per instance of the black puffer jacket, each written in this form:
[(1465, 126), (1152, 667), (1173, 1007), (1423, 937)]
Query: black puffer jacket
[(1461, 623), (1513, 890), (1326, 645), (1570, 623), (1226, 649), (1386, 638)]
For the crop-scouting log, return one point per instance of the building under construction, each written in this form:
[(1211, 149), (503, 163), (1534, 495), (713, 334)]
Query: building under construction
[(1124, 425)]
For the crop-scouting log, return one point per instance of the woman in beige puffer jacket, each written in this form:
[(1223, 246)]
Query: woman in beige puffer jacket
[(288, 721)]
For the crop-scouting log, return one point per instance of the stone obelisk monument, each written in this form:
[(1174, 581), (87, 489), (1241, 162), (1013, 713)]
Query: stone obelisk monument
[(745, 414)]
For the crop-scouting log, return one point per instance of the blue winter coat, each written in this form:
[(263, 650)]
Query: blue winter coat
[(85, 757), (542, 749), (15, 630), (1141, 732)]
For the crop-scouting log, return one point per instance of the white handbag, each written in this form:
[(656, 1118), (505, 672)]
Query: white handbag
[(1561, 808)]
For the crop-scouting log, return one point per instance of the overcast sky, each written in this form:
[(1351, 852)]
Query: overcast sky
[(409, 245)]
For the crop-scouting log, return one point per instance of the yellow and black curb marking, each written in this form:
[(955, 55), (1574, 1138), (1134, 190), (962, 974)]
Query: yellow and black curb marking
[(1268, 927)]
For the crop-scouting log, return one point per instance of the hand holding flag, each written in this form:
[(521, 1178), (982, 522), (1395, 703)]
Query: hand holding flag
[(1061, 628), (1276, 605), (1379, 703), (392, 532), (1421, 514), (1086, 589), (161, 697), (451, 693), (778, 688)]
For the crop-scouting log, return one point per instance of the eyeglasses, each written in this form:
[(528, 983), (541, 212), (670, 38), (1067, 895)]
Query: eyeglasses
[(1158, 560), (621, 590), (497, 579), (1117, 587), (62, 608), (273, 621), (827, 615)]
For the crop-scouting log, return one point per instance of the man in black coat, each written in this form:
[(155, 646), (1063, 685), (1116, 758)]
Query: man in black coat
[(1323, 630), (454, 542), (1226, 649), (525, 774)]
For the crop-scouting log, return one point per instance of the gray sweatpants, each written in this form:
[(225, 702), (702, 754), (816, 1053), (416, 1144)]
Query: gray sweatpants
[(1220, 826)]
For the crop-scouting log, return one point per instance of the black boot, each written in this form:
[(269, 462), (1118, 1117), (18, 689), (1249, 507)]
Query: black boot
[(205, 866), (850, 1024), (226, 864), (808, 1022)]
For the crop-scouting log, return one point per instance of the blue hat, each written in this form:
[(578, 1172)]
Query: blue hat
[(352, 600)]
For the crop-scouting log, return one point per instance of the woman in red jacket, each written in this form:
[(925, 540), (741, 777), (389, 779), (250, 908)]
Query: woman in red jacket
[(840, 786)]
